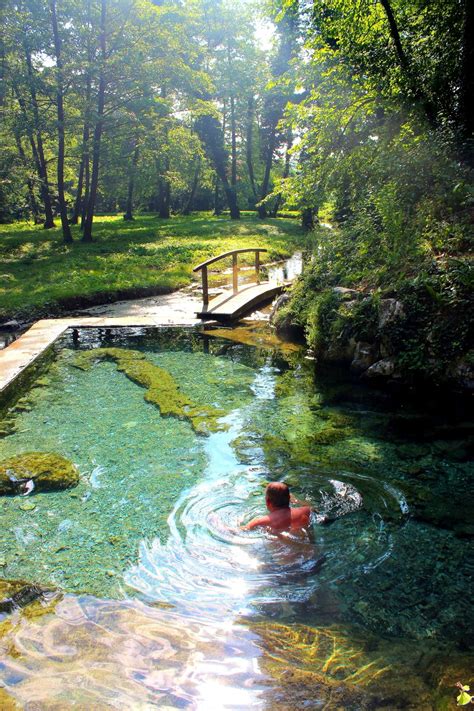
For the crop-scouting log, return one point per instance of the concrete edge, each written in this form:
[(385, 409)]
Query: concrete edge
[(26, 350)]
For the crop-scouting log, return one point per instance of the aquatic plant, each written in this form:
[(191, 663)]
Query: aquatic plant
[(46, 471), (161, 388)]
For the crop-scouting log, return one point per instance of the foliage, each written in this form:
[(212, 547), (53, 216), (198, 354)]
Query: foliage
[(431, 334), (134, 80), (464, 698), (384, 159)]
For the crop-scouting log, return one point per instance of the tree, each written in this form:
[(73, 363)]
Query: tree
[(67, 236)]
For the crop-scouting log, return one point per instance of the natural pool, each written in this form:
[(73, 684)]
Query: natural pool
[(160, 602)]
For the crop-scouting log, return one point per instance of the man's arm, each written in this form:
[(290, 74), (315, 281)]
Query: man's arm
[(256, 523)]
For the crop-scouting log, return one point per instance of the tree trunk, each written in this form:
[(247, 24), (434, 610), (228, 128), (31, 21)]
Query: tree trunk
[(467, 84), (80, 184), (99, 125), (131, 182), (29, 182), (164, 192), (217, 204), (210, 133), (43, 191), (262, 210), (249, 144), (83, 177), (87, 186), (413, 82), (189, 204), (307, 218), (286, 172), (67, 236), (42, 169), (164, 188), (233, 139)]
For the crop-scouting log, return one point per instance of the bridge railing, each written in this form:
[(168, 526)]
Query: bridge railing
[(235, 269)]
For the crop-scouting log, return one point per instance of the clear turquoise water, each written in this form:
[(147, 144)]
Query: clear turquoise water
[(152, 568)]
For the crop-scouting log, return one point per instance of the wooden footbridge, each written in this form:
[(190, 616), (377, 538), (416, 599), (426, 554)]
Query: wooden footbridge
[(235, 302)]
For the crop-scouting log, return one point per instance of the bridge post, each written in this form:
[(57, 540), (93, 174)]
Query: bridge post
[(235, 274), (205, 287), (257, 266)]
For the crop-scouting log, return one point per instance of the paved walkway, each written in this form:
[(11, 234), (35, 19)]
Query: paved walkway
[(176, 309)]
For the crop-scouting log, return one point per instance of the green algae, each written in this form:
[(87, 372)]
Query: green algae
[(162, 389), (49, 472), (323, 664), (340, 668)]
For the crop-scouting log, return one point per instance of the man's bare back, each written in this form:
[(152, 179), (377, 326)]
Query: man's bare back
[(280, 517)]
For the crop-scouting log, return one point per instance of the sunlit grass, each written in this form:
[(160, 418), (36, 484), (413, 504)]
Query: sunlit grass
[(38, 272)]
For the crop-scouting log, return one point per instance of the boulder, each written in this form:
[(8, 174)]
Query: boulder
[(390, 310), (346, 293), (38, 471), (462, 372), (384, 368), (364, 357)]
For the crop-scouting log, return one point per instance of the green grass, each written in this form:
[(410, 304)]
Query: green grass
[(39, 274)]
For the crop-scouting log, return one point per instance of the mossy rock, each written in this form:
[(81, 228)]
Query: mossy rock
[(49, 472), (162, 389)]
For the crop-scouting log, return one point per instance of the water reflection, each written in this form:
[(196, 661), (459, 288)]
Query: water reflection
[(287, 271), (100, 654)]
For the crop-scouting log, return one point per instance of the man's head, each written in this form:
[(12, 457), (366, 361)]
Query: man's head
[(277, 495)]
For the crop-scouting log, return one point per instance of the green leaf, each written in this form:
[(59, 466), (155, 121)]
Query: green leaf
[(463, 698)]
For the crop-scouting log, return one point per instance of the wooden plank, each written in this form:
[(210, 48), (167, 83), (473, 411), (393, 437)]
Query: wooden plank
[(228, 306), (235, 274), (228, 254), (205, 286)]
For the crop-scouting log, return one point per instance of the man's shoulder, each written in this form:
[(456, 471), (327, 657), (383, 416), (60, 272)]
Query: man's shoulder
[(302, 512)]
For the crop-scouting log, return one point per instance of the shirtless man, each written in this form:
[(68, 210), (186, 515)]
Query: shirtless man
[(281, 517)]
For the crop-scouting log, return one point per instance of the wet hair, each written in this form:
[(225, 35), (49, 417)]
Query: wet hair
[(278, 494)]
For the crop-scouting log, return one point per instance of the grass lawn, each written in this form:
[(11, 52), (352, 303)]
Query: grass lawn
[(41, 275)]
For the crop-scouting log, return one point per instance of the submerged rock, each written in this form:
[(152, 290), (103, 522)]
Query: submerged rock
[(161, 388), (36, 470), (7, 702), (15, 594)]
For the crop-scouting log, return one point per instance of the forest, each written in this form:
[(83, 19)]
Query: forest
[(356, 116)]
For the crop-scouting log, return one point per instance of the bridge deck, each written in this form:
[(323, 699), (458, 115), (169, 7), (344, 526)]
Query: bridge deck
[(229, 306)]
